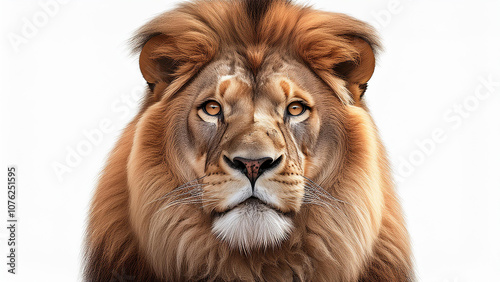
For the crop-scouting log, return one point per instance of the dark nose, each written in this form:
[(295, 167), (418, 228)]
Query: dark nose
[(252, 168)]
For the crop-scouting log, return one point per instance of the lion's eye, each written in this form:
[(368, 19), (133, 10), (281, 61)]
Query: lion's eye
[(212, 108), (296, 109)]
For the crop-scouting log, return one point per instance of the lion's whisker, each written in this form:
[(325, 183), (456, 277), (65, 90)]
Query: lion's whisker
[(193, 199), (314, 197), (319, 193), (319, 200), (197, 188), (193, 192), (315, 190), (188, 183), (315, 203), (179, 202), (209, 204), (322, 190), (325, 204)]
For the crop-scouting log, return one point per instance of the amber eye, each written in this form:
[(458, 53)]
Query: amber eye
[(212, 108), (296, 108)]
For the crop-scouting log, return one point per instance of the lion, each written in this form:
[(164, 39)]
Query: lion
[(253, 156)]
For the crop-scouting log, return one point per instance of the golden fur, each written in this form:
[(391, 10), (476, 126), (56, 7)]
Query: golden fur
[(167, 183)]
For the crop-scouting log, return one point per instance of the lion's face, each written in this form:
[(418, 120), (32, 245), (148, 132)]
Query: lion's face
[(248, 146), (252, 141)]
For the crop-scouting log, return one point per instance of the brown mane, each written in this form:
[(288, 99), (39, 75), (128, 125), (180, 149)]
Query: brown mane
[(201, 30), (367, 242)]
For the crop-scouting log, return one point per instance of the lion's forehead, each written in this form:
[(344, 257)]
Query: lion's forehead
[(259, 92)]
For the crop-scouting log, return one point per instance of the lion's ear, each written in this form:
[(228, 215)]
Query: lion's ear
[(357, 72), (157, 67)]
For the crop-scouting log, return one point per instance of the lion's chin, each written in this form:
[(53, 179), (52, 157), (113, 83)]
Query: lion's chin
[(252, 225)]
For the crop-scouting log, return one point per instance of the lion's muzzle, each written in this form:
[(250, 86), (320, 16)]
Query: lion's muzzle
[(253, 168)]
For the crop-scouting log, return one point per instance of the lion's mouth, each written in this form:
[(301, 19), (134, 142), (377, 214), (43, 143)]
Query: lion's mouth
[(252, 224), (253, 203)]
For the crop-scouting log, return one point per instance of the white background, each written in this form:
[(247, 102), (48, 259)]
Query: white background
[(71, 70)]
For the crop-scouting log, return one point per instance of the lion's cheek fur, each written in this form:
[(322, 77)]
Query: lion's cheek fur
[(343, 239), (150, 170)]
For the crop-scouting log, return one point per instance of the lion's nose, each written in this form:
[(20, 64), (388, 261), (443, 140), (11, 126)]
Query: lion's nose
[(252, 168)]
